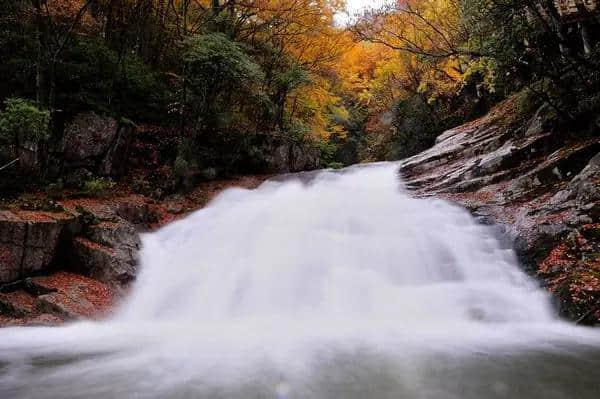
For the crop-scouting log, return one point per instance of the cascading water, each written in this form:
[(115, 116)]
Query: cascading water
[(326, 285)]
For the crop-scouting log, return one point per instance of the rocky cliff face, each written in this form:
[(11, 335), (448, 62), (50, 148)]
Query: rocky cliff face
[(541, 185), (70, 261)]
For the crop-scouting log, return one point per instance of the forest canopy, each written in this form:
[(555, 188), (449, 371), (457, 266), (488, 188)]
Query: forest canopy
[(231, 80)]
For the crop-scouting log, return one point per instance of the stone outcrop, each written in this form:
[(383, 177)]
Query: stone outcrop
[(293, 157), (29, 240), (541, 185), (107, 247), (96, 239), (97, 143), (107, 252)]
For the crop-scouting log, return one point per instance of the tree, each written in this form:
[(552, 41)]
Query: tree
[(23, 126)]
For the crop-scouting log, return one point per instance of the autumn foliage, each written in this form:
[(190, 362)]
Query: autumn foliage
[(234, 77)]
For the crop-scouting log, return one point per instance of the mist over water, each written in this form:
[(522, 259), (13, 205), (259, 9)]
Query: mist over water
[(320, 285)]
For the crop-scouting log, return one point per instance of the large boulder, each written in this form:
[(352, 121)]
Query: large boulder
[(98, 143), (29, 240), (303, 157), (293, 157), (107, 248), (88, 137), (99, 239), (279, 159)]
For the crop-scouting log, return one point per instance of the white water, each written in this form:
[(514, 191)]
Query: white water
[(326, 285)]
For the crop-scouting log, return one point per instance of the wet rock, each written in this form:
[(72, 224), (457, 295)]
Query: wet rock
[(40, 244), (116, 267), (16, 304), (45, 320), (119, 235), (90, 236), (279, 159), (303, 157), (106, 249), (56, 303), (541, 187), (557, 167)]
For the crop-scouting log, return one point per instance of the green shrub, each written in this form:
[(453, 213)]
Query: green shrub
[(141, 186), (484, 70), (296, 130), (217, 61), (22, 121), (95, 77), (180, 170), (334, 165), (415, 127), (97, 186), (56, 186), (327, 149), (527, 102)]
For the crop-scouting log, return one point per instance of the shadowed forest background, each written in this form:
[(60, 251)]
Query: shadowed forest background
[(160, 94)]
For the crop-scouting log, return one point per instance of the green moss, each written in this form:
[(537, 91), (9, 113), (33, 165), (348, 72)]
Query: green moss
[(335, 165), (527, 102), (97, 186), (88, 217)]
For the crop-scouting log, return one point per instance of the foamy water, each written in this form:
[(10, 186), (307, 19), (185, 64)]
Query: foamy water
[(322, 285)]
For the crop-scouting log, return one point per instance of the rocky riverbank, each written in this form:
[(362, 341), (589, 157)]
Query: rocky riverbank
[(75, 258), (541, 184)]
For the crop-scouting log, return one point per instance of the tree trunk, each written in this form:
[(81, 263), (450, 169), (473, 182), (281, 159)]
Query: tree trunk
[(41, 56), (183, 75), (586, 38)]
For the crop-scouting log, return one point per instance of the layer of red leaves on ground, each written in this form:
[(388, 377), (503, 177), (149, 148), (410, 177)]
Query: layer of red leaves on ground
[(34, 216), (557, 260), (176, 207), (20, 300), (107, 224), (82, 295), (93, 245), (573, 268)]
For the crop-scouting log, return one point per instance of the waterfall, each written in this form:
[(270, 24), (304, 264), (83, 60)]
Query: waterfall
[(320, 285)]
